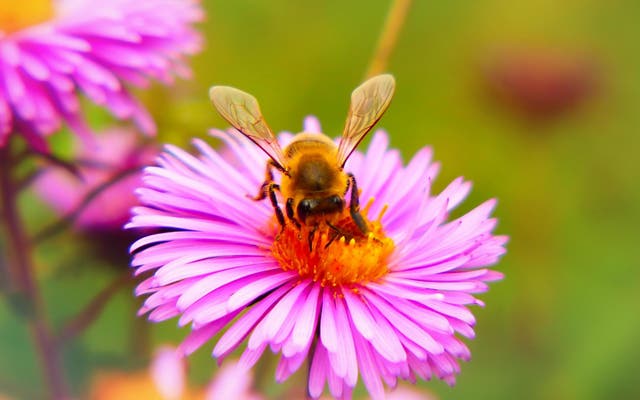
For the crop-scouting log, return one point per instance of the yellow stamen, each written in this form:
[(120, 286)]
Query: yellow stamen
[(16, 15), (338, 256)]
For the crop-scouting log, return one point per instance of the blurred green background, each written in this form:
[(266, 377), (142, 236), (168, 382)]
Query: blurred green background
[(564, 323)]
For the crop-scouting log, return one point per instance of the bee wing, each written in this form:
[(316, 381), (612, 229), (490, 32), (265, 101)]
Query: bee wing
[(242, 111), (368, 102)]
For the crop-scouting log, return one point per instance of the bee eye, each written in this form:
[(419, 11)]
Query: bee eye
[(305, 205), (336, 200), (304, 208)]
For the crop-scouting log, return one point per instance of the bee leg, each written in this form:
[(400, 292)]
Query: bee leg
[(336, 233), (268, 180), (310, 238), (274, 201), (354, 205), (290, 214)]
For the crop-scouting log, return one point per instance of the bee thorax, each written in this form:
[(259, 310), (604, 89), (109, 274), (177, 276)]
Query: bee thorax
[(315, 175)]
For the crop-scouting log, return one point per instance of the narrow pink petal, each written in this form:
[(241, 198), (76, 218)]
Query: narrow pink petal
[(311, 124), (200, 336), (347, 343), (318, 372), (214, 281), (278, 317), (257, 288), (336, 384), (250, 357), (163, 313), (240, 329), (359, 315), (368, 369), (212, 306), (283, 310), (306, 323), (405, 325), (5, 120), (328, 325)]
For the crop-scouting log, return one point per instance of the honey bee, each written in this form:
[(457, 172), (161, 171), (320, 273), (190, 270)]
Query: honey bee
[(313, 182)]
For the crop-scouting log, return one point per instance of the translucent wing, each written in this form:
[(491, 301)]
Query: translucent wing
[(368, 102), (242, 111)]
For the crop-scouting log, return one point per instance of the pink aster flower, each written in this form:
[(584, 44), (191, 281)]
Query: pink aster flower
[(385, 306), (52, 50)]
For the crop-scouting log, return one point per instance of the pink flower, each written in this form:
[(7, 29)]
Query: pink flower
[(383, 306), (166, 379), (541, 84), (230, 381), (53, 51), (168, 372), (116, 154)]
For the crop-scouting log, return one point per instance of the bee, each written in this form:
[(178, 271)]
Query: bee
[(313, 182)]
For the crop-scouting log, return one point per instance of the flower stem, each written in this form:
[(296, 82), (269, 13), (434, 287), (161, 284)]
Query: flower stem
[(22, 286), (388, 37), (78, 324), (69, 219)]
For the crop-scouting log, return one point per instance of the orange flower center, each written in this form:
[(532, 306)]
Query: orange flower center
[(16, 15), (339, 255)]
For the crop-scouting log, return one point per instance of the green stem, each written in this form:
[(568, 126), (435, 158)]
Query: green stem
[(20, 272), (79, 323), (69, 219), (388, 37)]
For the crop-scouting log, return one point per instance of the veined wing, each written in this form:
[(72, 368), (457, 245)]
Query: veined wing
[(368, 102), (242, 111)]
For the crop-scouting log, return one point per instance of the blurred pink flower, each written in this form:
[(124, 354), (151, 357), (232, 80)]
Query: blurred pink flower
[(52, 50), (382, 306), (541, 84), (405, 393), (229, 382), (232, 381), (401, 393), (168, 372), (115, 153)]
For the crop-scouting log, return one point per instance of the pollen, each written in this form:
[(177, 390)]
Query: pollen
[(16, 15), (335, 254)]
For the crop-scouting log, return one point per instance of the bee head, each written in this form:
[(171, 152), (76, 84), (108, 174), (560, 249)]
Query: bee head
[(314, 206)]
